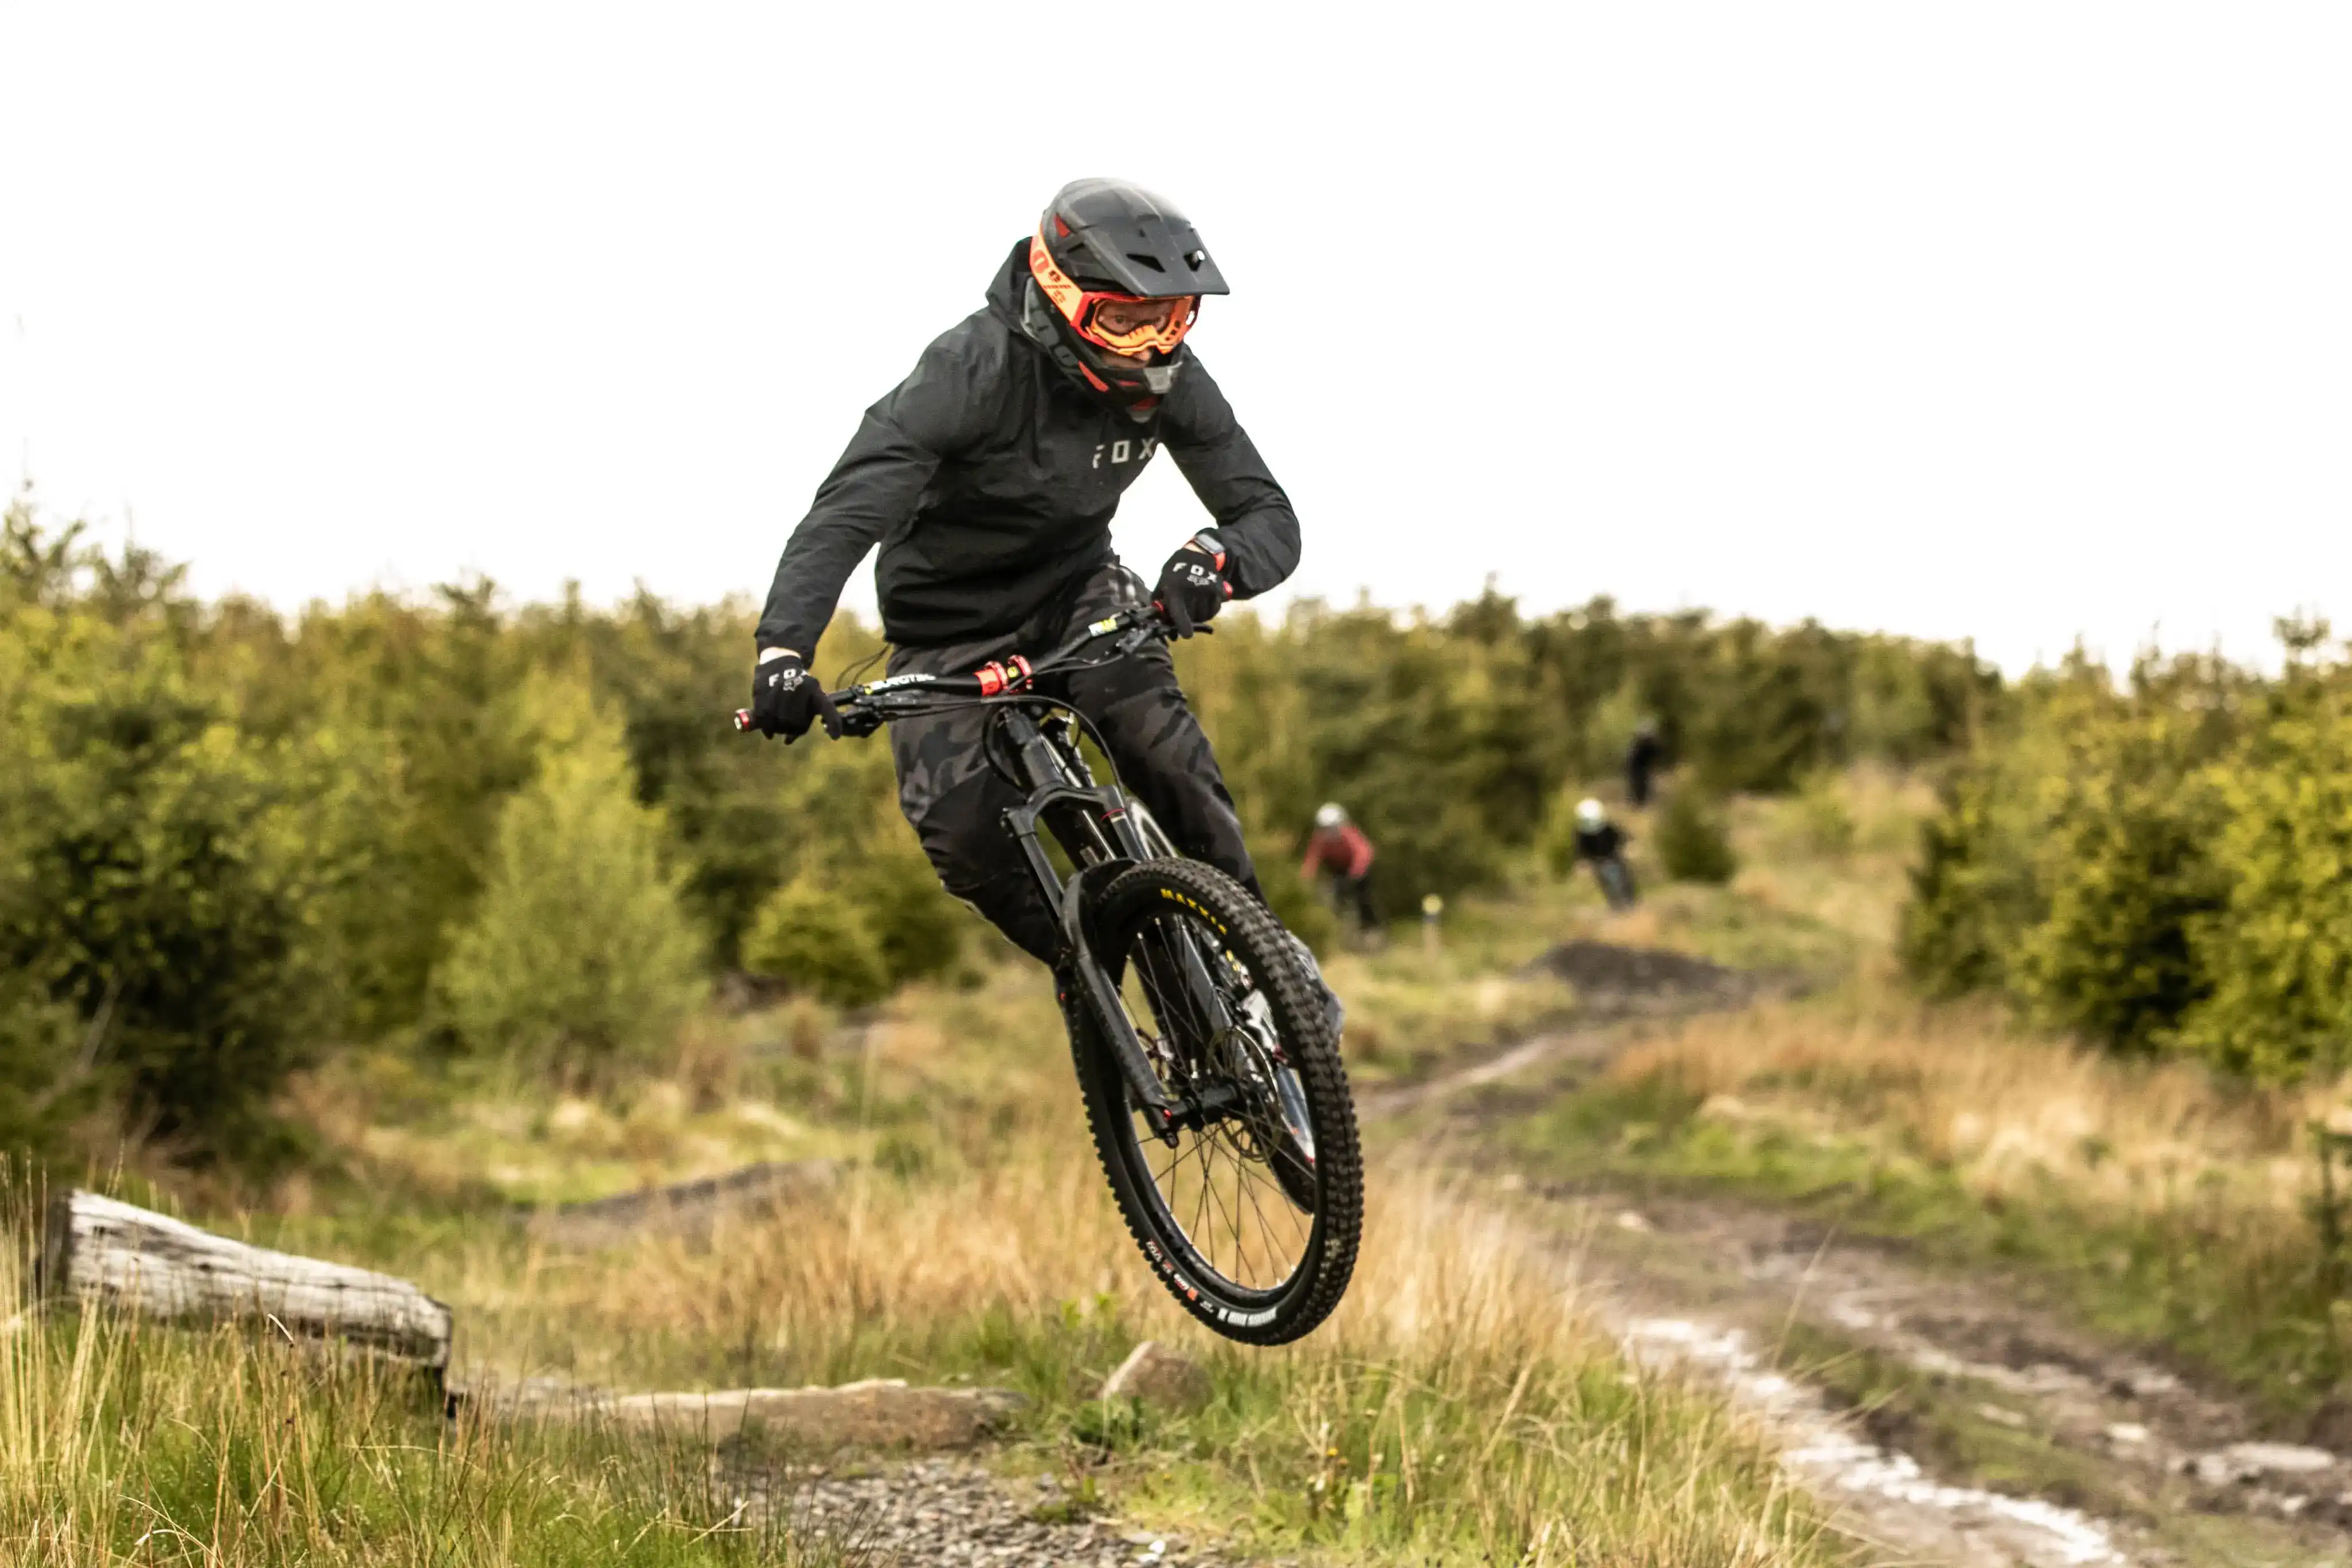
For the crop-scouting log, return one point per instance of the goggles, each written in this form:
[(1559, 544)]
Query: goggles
[(1124, 323)]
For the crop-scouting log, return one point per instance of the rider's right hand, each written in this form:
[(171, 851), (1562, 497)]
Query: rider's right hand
[(785, 701)]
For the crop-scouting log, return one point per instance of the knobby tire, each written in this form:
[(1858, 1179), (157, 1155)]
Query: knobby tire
[(1123, 915)]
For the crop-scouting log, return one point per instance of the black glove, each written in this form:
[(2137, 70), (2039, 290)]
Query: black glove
[(785, 701), (1192, 587)]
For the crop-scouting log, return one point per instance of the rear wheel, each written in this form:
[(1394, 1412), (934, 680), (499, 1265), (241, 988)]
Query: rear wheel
[(1249, 1207)]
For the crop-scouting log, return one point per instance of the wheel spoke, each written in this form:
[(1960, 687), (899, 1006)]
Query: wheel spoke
[(1222, 1214), (1253, 1208)]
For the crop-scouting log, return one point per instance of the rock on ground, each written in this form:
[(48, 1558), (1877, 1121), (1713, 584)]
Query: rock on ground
[(1158, 1375)]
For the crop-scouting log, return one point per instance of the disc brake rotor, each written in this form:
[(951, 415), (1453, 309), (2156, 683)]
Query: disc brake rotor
[(1262, 1066)]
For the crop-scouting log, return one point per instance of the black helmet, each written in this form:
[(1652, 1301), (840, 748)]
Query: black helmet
[(1116, 278)]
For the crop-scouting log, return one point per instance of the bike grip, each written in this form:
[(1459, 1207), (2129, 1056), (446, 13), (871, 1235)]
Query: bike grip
[(743, 720)]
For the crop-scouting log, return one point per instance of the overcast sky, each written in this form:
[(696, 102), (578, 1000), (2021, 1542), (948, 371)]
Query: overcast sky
[(2017, 321)]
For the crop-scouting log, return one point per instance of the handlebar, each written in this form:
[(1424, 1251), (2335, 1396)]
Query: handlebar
[(1001, 679)]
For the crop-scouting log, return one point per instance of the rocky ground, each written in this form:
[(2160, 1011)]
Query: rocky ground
[(956, 1511)]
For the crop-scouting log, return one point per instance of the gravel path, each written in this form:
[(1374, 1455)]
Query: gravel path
[(955, 1512)]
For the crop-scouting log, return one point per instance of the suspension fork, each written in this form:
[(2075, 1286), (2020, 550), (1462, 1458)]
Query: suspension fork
[(1092, 825)]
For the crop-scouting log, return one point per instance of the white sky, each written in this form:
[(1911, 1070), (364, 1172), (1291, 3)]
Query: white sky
[(2010, 320)]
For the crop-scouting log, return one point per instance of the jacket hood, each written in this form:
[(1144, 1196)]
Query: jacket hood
[(1013, 300), (1012, 282)]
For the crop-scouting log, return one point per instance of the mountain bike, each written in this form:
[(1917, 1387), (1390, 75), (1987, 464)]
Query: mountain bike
[(1206, 1056), (1616, 879)]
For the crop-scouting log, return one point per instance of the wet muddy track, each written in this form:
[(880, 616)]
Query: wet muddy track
[(2134, 1461), (2107, 1456)]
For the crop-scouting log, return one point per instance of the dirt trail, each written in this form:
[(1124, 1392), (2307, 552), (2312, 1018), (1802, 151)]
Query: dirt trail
[(2087, 1452)]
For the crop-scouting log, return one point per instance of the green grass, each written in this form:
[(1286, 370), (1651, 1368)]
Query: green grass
[(128, 1443)]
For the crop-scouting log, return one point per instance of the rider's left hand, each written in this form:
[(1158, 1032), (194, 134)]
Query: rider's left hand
[(1192, 587)]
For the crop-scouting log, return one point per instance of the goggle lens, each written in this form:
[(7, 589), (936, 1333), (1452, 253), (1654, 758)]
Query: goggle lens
[(1131, 325)]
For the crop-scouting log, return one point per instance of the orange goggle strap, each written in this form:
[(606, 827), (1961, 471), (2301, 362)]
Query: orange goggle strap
[(1077, 306)]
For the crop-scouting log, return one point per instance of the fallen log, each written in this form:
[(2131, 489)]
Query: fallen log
[(878, 1414), (148, 1263)]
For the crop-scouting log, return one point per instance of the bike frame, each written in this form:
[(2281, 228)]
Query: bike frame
[(1092, 823)]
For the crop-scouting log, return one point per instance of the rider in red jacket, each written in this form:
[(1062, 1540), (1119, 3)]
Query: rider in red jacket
[(1339, 847)]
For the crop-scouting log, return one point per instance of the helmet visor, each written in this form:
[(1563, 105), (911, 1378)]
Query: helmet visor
[(1126, 324)]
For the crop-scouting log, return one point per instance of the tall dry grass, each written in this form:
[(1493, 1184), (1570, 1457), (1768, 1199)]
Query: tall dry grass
[(2008, 1113), (1459, 1408), (2163, 1202), (232, 1446)]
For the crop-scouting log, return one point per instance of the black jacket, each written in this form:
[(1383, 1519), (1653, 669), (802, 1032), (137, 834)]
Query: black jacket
[(1600, 843), (990, 480)]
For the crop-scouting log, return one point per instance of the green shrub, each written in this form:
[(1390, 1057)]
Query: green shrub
[(267, 834), (43, 1089), (2276, 955), (162, 877), (2110, 858), (1692, 844), (579, 954), (854, 854), (1969, 895), (814, 939), (2124, 868), (919, 928)]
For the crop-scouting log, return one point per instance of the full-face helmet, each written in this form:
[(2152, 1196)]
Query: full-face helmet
[(1117, 275)]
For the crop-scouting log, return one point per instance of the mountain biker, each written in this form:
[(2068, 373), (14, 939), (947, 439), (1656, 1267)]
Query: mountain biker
[(1643, 757), (1340, 847), (989, 477), (1600, 843)]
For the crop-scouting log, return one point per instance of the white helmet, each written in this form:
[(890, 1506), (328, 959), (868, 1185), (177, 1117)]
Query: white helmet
[(1330, 814), (1591, 813)]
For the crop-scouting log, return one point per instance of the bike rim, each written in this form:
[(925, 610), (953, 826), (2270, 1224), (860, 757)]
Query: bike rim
[(1217, 1189)]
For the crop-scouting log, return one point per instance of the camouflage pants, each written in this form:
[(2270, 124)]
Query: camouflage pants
[(957, 802)]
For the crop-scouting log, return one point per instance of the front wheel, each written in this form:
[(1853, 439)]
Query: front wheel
[(1250, 1204), (1616, 882)]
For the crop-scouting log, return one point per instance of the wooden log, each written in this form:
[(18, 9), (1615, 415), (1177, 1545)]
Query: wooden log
[(140, 1261), (880, 1413)]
